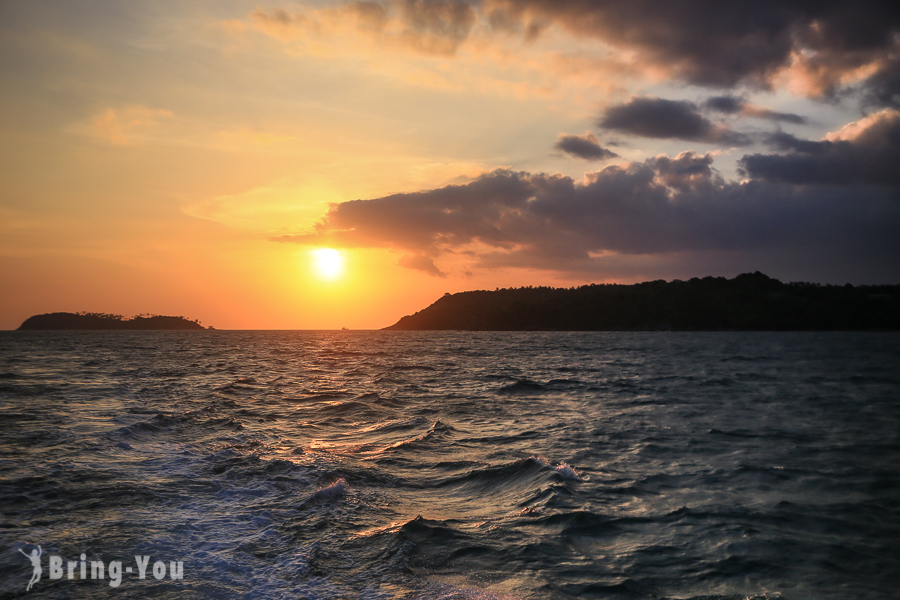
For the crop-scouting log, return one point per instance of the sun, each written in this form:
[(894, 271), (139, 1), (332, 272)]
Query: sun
[(328, 263)]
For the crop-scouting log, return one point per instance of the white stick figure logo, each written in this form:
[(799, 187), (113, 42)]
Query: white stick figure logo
[(35, 558)]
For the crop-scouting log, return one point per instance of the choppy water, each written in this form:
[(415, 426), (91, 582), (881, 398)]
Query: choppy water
[(449, 465)]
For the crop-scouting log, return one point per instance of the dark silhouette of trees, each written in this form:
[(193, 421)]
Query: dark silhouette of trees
[(751, 301), (106, 321)]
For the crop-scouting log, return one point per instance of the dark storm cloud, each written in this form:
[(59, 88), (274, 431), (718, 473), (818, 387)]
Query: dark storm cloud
[(659, 207), (485, 209), (725, 104), (883, 88), (685, 171), (870, 156), (733, 105), (785, 141), (585, 146), (672, 119), (704, 43), (723, 44)]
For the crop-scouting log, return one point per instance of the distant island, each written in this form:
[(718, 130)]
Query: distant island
[(749, 302), (84, 321)]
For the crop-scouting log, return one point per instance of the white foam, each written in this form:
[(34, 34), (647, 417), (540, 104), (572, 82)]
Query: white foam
[(335, 490), (567, 472)]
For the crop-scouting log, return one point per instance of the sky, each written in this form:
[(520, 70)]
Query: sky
[(318, 165)]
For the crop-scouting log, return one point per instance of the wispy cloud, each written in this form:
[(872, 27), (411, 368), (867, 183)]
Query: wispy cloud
[(436, 27), (735, 105), (128, 125)]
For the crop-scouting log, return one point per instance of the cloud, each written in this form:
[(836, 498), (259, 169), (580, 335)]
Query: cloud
[(818, 49), (436, 27), (259, 209), (686, 171), (453, 215), (667, 119), (761, 112), (864, 152), (883, 87), (726, 45), (660, 208), (421, 262), (845, 43), (785, 141), (698, 44), (725, 104), (585, 146), (414, 42), (128, 125), (281, 24), (734, 105)]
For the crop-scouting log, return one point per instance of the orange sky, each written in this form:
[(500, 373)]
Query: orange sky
[(186, 158)]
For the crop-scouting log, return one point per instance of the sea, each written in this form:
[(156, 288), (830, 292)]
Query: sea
[(450, 465)]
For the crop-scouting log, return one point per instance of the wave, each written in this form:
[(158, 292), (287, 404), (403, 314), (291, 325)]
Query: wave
[(389, 431), (285, 464), (524, 473), (523, 387), (322, 397), (330, 493), (437, 430), (351, 353)]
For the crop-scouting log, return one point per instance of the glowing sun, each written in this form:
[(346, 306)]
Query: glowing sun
[(328, 263)]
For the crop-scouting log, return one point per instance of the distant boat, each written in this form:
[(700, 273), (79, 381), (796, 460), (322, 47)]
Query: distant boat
[(344, 329)]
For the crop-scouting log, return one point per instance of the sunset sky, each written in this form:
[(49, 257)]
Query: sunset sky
[(307, 165)]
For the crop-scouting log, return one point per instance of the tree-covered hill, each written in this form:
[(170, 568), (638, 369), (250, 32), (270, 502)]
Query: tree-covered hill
[(106, 321), (752, 301)]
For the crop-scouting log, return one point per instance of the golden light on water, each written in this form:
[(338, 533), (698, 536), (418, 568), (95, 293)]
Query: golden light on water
[(328, 263)]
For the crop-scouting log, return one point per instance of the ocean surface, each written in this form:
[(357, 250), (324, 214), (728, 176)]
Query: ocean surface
[(451, 465)]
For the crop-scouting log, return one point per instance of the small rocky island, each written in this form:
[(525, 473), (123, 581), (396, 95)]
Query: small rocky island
[(749, 302), (87, 321)]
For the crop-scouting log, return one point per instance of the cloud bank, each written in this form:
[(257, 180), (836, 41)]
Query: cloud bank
[(865, 152), (826, 44), (659, 207), (820, 47), (831, 200)]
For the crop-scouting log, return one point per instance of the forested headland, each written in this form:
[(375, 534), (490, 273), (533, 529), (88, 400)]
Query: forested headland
[(751, 301)]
